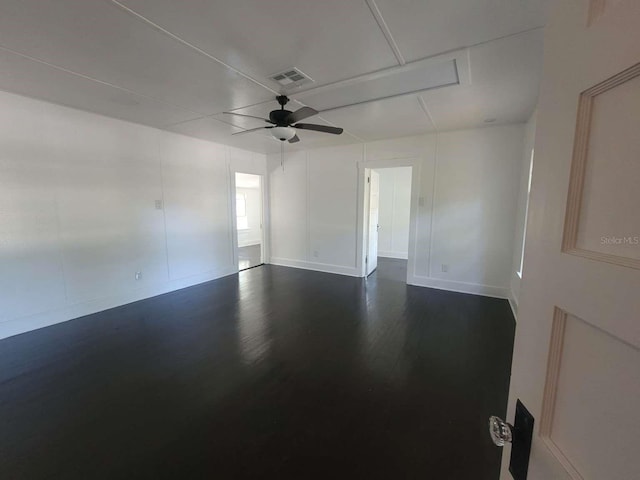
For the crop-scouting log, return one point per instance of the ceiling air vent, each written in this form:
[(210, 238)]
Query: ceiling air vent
[(291, 77)]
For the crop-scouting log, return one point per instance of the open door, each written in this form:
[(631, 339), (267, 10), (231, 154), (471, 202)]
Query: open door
[(249, 220), (576, 364), (374, 212)]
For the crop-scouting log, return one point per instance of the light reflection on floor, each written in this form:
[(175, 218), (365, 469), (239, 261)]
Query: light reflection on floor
[(249, 257)]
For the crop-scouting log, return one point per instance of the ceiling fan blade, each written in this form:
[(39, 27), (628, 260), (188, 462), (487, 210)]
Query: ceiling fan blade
[(248, 116), (250, 130), (294, 139), (301, 114), (319, 128)]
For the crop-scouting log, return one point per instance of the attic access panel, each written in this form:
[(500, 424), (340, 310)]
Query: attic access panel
[(407, 79)]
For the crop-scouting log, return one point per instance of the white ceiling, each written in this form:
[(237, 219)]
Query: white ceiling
[(179, 65)]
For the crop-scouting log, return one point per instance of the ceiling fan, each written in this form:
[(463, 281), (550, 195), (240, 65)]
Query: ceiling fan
[(284, 122)]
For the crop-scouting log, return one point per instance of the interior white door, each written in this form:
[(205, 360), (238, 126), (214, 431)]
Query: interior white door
[(576, 363), (374, 213)]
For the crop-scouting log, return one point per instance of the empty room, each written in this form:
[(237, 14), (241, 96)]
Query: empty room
[(359, 239)]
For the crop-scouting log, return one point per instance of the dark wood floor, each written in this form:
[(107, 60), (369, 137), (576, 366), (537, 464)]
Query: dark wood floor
[(272, 373)]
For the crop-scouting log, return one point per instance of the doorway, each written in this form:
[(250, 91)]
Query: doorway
[(249, 220), (388, 221)]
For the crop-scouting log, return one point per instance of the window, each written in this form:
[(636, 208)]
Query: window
[(242, 223), (526, 215)]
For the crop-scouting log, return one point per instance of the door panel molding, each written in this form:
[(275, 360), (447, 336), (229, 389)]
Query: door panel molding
[(586, 337), (551, 389), (576, 192)]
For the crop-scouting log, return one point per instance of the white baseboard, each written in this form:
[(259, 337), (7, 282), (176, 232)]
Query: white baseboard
[(399, 255), (461, 287), (318, 267), (20, 325)]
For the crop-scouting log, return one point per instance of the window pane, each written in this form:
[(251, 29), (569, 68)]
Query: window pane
[(242, 223)]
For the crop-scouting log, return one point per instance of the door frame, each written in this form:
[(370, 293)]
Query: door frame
[(264, 244), (363, 209)]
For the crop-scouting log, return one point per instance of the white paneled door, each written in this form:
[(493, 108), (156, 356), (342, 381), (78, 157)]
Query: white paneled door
[(374, 213), (576, 362)]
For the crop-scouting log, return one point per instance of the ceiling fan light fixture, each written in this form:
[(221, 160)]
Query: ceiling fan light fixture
[(283, 133), (284, 123)]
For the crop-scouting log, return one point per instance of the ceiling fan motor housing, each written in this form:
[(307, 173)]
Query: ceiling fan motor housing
[(279, 117)]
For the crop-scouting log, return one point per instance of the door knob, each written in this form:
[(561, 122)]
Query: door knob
[(520, 435), (500, 431)]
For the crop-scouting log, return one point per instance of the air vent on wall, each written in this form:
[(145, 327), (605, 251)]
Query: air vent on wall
[(291, 77)]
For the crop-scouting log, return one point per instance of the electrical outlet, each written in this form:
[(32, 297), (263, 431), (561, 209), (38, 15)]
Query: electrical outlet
[(445, 268), (158, 204), (315, 253), (138, 275)]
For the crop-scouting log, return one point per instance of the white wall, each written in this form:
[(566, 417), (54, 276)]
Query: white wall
[(395, 202), (529, 139), (465, 208), (314, 209), (288, 201), (253, 201), (78, 213), (475, 205)]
